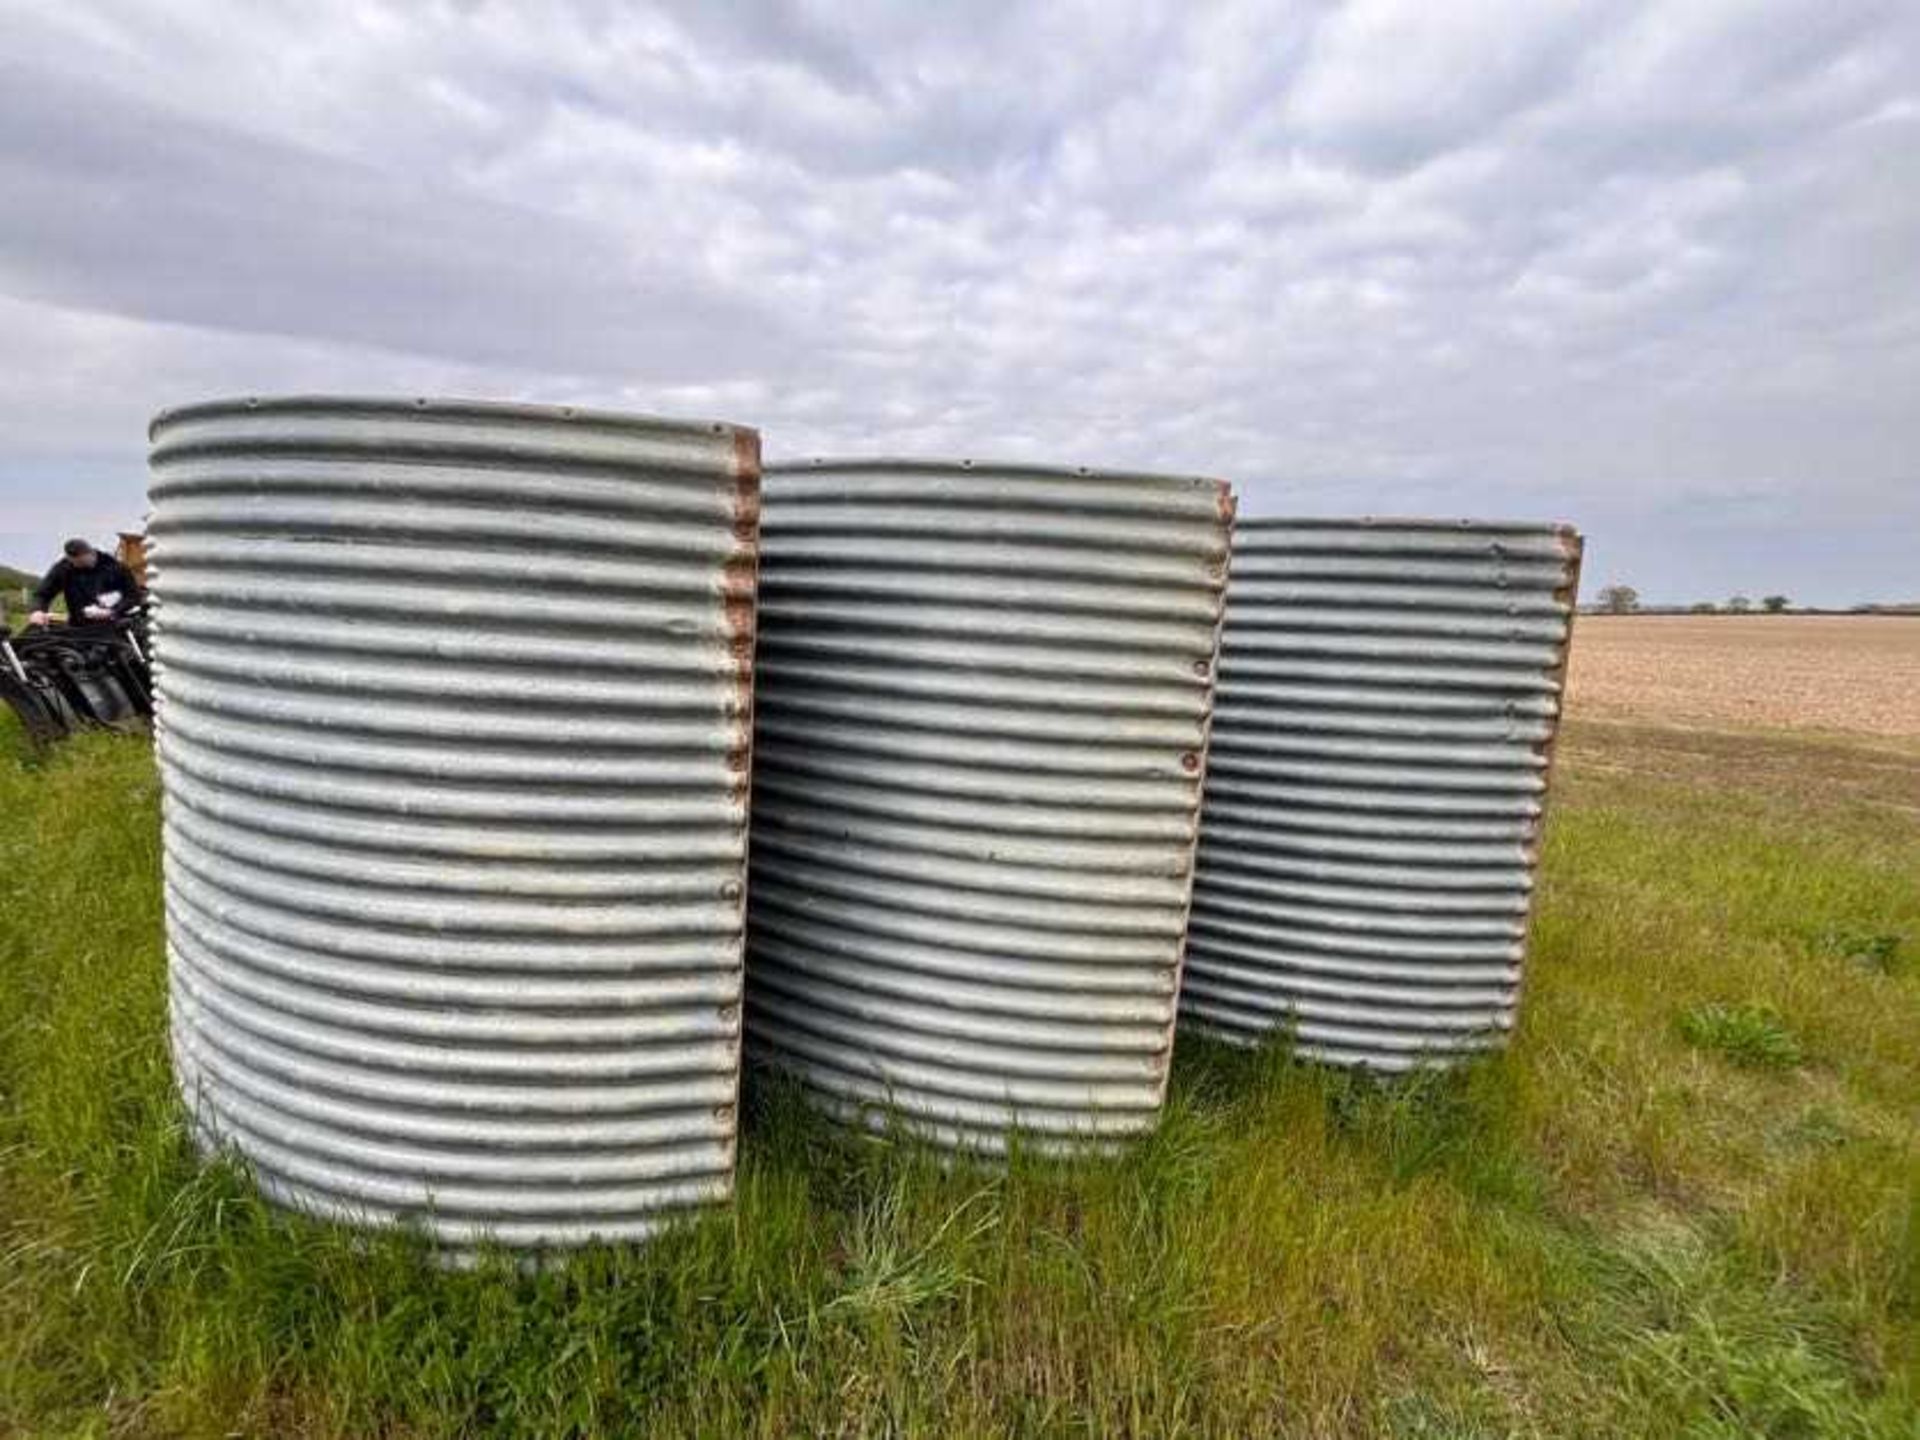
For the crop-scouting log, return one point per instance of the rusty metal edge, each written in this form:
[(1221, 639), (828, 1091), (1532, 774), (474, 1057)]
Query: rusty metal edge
[(741, 579), (1569, 594), (1229, 512)]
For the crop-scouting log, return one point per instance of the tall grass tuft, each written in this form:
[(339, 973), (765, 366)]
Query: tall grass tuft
[(1751, 1035)]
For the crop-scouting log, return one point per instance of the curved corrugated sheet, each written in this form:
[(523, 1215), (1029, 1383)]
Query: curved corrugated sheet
[(1386, 710), (983, 700), (455, 709)]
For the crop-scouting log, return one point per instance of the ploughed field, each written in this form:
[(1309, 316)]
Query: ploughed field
[(1846, 674), (1686, 1201)]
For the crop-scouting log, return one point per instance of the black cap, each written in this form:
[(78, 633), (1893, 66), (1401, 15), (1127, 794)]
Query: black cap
[(77, 547)]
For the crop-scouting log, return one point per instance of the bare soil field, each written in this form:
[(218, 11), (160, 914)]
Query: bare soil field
[(1836, 673)]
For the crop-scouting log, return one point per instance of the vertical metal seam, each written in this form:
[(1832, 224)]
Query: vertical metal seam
[(1569, 595), (746, 469), (1229, 510)]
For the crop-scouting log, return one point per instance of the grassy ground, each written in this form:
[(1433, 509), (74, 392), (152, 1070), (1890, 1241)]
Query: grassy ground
[(1685, 1203)]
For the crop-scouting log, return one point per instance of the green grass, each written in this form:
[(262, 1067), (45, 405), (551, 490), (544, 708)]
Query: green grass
[(1611, 1230), (1883, 951), (1750, 1035), (13, 609)]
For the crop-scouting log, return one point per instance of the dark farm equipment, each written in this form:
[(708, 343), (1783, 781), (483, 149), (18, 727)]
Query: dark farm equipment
[(61, 678)]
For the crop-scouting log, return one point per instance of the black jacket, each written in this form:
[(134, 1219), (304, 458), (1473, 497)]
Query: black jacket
[(84, 587)]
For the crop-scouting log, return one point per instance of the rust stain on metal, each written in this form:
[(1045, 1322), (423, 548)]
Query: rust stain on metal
[(1229, 502), (1569, 596), (739, 610), (740, 588), (746, 459), (740, 598), (746, 505), (1208, 671)]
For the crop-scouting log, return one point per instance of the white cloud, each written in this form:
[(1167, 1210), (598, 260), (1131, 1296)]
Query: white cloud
[(1646, 267)]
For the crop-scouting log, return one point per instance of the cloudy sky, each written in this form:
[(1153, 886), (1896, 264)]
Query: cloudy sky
[(1654, 268)]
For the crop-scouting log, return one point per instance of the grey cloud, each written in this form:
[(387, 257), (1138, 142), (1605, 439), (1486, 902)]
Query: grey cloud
[(124, 207), (1632, 265), (1392, 86)]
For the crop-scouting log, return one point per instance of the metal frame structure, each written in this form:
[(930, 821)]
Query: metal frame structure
[(63, 678)]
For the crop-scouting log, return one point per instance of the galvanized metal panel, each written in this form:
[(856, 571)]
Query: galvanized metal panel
[(1386, 709), (983, 704), (455, 709)]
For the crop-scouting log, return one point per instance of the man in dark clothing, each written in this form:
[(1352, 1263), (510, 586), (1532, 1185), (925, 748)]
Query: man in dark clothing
[(97, 587)]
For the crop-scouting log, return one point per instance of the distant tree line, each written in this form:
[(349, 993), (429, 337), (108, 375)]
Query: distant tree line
[(1625, 600)]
